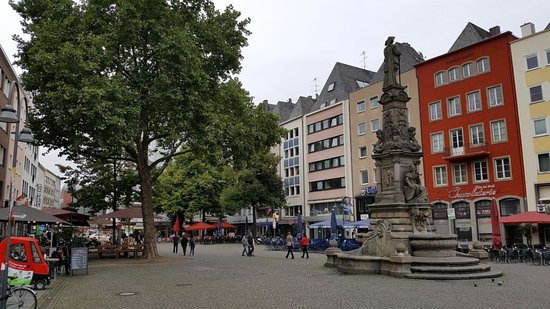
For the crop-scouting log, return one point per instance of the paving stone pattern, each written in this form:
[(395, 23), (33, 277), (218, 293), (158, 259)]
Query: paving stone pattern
[(219, 277)]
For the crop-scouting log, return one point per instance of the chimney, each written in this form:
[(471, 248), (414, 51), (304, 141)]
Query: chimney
[(494, 31), (527, 29), (289, 100)]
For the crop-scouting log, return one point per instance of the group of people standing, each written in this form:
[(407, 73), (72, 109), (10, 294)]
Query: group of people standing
[(184, 241)]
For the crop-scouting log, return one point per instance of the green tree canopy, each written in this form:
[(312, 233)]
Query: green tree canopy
[(144, 76)]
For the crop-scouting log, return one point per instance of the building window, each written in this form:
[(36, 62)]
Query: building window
[(374, 102), (509, 206), (483, 65), (374, 125), (474, 101), (326, 144), (495, 96), (437, 142), (440, 175), (364, 177), (325, 124), (2, 156), (548, 57), (453, 74), (453, 106), (540, 126), (360, 106), (459, 173), (544, 162), (481, 172), (467, 70), (326, 164), (361, 128), (330, 87), (439, 78), (536, 93), (435, 111), (329, 184), (457, 141), (532, 62), (363, 152), (476, 135), (502, 168), (498, 131)]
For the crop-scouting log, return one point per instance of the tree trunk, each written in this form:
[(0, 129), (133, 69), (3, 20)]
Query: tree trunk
[(149, 238), (254, 221)]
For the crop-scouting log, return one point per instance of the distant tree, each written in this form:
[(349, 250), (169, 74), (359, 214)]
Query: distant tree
[(257, 186), (143, 76)]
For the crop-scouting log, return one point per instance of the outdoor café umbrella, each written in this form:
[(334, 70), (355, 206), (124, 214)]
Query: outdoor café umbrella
[(75, 218), (530, 217), (333, 226), (299, 226), (177, 228), (199, 226), (495, 225), (227, 225), (28, 214)]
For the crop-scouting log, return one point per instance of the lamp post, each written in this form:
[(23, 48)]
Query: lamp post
[(9, 115)]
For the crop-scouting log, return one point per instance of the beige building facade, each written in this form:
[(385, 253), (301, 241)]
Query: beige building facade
[(531, 65)]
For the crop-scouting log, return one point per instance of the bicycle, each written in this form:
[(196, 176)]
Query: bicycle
[(20, 297)]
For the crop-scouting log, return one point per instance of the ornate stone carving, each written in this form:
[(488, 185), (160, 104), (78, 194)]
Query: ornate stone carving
[(392, 56), (413, 190), (421, 218)]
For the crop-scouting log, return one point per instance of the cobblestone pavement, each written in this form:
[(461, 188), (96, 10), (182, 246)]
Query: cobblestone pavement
[(219, 277)]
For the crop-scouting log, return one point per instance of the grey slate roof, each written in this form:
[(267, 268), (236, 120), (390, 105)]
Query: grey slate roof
[(283, 109), (345, 78), (409, 58), (302, 107), (470, 35), (547, 27)]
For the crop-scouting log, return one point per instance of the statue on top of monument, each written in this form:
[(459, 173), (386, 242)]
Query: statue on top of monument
[(391, 63)]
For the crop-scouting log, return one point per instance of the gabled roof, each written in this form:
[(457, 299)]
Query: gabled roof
[(547, 27), (344, 79), (409, 58), (302, 107), (283, 109), (470, 35)]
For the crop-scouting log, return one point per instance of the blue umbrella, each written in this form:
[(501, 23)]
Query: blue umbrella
[(333, 226), (299, 227)]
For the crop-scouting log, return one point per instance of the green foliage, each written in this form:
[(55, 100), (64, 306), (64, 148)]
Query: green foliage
[(133, 75), (527, 230), (97, 185)]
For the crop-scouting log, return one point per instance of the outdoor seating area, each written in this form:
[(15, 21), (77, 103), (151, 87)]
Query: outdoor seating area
[(523, 254), (117, 251), (315, 245)]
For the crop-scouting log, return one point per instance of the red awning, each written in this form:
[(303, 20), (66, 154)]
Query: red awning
[(526, 217)]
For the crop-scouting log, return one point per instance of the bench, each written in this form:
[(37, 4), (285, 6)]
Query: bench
[(106, 249), (135, 250)]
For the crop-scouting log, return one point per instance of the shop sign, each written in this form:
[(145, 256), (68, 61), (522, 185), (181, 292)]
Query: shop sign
[(478, 191)]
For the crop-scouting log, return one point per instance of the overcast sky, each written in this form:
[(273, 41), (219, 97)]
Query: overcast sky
[(294, 42)]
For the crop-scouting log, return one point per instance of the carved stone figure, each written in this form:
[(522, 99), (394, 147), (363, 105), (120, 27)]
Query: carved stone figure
[(412, 142), (391, 63), (379, 145), (413, 191)]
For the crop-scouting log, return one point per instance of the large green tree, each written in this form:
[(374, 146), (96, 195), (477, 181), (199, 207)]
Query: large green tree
[(141, 75)]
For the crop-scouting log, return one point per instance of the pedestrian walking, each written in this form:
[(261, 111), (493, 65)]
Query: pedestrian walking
[(176, 241), (250, 240), (305, 244), (245, 245), (184, 241), (289, 245), (192, 244)]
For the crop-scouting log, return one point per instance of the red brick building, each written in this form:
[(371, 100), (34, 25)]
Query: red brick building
[(470, 134)]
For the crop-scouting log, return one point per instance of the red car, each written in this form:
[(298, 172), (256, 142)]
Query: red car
[(27, 265)]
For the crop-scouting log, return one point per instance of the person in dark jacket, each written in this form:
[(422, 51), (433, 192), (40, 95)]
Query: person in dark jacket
[(176, 242), (184, 241)]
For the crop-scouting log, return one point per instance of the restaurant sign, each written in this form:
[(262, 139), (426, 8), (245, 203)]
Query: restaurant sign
[(478, 191)]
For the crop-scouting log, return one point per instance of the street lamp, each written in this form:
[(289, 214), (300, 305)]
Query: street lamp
[(9, 115)]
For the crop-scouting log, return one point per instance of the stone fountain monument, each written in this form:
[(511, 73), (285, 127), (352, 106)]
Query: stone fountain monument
[(401, 241)]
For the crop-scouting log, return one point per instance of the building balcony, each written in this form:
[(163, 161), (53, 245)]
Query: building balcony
[(466, 152)]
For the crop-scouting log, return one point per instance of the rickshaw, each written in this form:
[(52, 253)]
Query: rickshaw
[(26, 265)]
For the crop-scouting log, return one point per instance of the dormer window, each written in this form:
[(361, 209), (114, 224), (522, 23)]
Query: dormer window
[(362, 84), (330, 87)]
